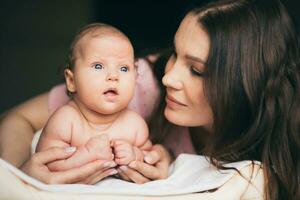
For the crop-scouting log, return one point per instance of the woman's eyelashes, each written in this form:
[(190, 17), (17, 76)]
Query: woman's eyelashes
[(195, 71)]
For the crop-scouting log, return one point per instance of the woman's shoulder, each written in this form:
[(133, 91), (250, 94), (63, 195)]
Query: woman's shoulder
[(248, 182)]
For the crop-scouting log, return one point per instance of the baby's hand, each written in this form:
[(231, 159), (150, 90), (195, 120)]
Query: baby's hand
[(100, 147), (124, 152)]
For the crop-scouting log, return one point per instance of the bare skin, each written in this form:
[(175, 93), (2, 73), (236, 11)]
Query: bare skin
[(18, 127), (68, 128)]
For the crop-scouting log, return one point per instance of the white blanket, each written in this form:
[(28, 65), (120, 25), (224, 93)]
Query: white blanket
[(188, 174)]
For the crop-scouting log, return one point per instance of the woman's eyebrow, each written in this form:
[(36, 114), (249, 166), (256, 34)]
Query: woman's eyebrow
[(189, 57), (194, 58)]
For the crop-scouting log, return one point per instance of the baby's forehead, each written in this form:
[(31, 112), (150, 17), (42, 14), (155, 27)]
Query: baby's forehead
[(103, 32)]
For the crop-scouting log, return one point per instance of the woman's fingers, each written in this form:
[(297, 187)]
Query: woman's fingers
[(88, 173), (36, 165), (79, 174), (152, 157), (132, 175), (138, 172), (141, 172), (52, 154), (158, 167), (122, 175), (100, 175), (107, 170), (156, 154), (151, 172)]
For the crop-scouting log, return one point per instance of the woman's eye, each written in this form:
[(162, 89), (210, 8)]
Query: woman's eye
[(124, 69), (196, 71), (98, 66)]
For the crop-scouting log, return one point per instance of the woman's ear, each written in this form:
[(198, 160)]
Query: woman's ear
[(69, 76)]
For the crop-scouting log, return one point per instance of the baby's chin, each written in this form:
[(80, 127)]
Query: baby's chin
[(111, 108)]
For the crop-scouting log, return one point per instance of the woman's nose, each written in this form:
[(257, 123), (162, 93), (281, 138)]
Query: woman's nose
[(171, 80)]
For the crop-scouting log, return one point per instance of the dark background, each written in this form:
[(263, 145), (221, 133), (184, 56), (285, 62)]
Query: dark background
[(35, 36)]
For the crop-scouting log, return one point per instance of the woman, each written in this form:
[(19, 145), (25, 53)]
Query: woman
[(235, 74), (234, 78)]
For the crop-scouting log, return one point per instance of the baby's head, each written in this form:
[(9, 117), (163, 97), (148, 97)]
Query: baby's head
[(92, 31), (101, 73)]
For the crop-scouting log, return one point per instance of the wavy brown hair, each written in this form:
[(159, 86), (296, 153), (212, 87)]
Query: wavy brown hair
[(252, 86)]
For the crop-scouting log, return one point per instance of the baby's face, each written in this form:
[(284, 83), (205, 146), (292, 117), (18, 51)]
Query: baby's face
[(104, 73)]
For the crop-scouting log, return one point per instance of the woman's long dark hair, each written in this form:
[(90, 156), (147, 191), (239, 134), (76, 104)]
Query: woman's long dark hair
[(253, 88)]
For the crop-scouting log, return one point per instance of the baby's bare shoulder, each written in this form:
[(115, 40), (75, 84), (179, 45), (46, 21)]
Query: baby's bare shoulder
[(131, 115), (133, 118), (63, 116), (67, 111)]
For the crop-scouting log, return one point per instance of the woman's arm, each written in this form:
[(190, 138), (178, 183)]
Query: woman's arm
[(18, 127), (16, 131), (86, 174)]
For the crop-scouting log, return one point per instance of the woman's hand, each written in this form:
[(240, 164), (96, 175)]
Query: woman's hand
[(156, 166), (87, 174)]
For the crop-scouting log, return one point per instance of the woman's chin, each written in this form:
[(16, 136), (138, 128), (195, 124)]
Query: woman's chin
[(181, 118), (174, 117)]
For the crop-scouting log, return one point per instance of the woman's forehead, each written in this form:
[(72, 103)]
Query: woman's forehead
[(191, 38)]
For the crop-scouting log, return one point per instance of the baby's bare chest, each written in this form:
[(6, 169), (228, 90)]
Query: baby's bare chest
[(82, 131)]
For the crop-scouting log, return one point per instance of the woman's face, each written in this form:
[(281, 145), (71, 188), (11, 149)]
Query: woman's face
[(186, 103)]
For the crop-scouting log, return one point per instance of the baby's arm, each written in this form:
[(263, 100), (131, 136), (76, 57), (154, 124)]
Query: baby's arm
[(58, 133), (125, 152), (97, 148)]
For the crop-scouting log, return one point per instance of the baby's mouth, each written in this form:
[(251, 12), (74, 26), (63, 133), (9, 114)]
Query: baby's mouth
[(111, 92)]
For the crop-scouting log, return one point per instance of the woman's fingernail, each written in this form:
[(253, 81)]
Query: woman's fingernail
[(132, 164), (113, 172), (109, 164), (70, 149), (123, 168), (148, 159)]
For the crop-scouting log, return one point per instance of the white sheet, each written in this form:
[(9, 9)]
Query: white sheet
[(188, 174)]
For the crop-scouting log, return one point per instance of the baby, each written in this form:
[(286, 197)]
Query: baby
[(101, 81)]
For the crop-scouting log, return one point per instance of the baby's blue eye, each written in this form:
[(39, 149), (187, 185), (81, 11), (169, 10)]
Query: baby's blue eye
[(98, 66), (124, 69)]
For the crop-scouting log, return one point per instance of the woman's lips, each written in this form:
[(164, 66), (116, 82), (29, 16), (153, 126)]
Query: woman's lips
[(173, 103)]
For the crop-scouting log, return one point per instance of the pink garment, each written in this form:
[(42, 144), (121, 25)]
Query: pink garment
[(179, 141), (147, 91), (57, 97), (144, 102)]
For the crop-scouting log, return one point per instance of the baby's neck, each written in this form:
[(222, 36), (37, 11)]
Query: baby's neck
[(95, 119)]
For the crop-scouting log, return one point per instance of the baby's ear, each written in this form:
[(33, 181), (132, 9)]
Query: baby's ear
[(69, 76)]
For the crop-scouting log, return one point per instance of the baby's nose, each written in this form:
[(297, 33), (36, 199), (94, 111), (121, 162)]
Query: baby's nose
[(112, 76)]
